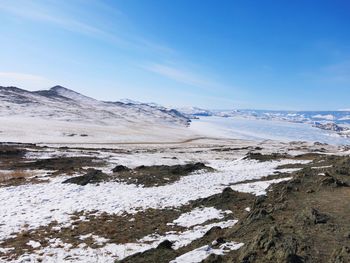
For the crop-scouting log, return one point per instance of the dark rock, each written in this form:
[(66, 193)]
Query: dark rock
[(213, 259), (292, 258), (91, 177), (318, 218), (274, 245), (166, 244), (249, 257), (220, 240), (258, 214), (227, 192), (259, 200), (120, 168), (333, 182), (214, 231)]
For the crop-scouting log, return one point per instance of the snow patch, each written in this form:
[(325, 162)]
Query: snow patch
[(34, 244), (257, 188), (199, 216), (199, 254)]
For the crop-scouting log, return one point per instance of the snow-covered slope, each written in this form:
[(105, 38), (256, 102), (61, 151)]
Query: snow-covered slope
[(60, 112), (63, 104)]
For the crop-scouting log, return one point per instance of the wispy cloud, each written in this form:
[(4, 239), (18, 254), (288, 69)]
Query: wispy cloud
[(184, 76), (42, 13), (64, 16)]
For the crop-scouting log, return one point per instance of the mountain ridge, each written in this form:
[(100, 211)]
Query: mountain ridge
[(61, 115), (58, 96)]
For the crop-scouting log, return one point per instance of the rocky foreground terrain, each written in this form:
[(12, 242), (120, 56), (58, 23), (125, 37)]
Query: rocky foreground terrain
[(199, 201)]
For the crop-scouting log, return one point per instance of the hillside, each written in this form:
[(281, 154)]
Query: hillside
[(63, 115)]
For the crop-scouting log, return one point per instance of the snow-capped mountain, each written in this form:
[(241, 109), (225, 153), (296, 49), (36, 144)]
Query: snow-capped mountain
[(64, 104), (338, 117), (61, 112), (193, 112)]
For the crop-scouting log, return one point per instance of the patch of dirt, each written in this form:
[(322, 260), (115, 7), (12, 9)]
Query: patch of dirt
[(147, 176), (11, 151), (227, 200), (229, 149), (17, 177), (66, 165), (279, 156), (157, 175), (18, 169), (266, 157), (13, 157)]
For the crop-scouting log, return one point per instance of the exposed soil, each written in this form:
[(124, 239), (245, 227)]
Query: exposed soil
[(157, 175), (266, 157), (66, 165), (147, 176), (11, 151)]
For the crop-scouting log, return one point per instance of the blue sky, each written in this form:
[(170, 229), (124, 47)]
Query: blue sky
[(291, 55)]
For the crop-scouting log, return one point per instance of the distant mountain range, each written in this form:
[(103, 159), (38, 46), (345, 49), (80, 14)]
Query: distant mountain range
[(64, 115), (338, 117), (64, 104)]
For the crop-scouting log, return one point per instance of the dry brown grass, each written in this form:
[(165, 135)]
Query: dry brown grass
[(13, 175)]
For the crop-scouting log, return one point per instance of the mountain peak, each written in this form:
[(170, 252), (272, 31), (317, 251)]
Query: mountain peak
[(58, 88), (70, 94)]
